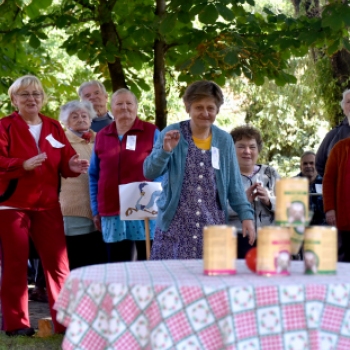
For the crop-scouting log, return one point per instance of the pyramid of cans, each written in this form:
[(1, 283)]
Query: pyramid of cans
[(292, 234)]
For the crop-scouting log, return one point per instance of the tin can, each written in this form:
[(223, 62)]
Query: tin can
[(320, 250), (273, 251), (219, 250), (292, 202)]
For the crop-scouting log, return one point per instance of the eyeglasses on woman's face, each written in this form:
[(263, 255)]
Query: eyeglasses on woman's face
[(26, 95)]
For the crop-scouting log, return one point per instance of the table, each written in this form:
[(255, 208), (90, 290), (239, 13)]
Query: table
[(172, 305)]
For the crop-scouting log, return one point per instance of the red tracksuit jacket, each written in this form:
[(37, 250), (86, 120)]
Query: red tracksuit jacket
[(37, 189)]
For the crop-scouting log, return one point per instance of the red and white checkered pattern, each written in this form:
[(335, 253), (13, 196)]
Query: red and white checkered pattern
[(211, 338), (332, 318), (186, 278), (293, 317), (271, 342), (266, 296), (219, 304), (179, 326), (245, 324)]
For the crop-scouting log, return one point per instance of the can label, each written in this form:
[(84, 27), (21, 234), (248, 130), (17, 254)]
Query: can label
[(320, 250), (296, 239), (273, 256), (219, 250), (292, 202)]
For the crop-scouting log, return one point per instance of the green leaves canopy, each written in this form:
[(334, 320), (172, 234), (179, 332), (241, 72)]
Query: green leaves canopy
[(211, 39)]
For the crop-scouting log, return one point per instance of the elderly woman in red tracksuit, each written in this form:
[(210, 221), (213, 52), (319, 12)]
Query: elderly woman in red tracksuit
[(34, 154)]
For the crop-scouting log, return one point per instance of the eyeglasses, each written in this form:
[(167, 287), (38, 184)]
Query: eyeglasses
[(26, 95)]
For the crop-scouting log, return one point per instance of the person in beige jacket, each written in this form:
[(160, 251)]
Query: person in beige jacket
[(85, 245)]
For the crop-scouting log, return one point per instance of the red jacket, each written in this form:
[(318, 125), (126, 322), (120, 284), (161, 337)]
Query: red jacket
[(336, 184), (36, 189), (113, 165)]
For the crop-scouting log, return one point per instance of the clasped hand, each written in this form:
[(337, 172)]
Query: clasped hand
[(32, 163), (260, 192)]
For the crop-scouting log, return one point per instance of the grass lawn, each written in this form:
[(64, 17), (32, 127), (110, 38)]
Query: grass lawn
[(30, 343)]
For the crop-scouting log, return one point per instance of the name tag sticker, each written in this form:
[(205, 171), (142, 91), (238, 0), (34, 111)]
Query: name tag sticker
[(131, 142), (215, 158), (53, 142)]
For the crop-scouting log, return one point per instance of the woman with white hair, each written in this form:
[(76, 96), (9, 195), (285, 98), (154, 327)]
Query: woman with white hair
[(34, 155), (342, 131), (85, 245)]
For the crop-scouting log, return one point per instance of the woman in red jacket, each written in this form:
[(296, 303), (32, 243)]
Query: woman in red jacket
[(336, 195), (34, 154)]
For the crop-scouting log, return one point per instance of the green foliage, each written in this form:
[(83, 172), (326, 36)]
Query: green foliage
[(204, 39), (330, 91), (290, 117), (256, 46)]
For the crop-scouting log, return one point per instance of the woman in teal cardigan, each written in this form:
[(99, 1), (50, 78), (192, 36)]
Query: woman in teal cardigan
[(200, 175)]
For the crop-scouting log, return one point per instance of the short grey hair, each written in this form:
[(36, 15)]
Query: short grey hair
[(91, 83), (307, 153), (124, 91), (345, 92), (72, 106)]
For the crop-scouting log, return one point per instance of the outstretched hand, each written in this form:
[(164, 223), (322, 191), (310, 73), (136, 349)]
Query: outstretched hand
[(78, 165)]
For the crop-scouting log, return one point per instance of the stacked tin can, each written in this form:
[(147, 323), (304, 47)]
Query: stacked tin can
[(292, 213)]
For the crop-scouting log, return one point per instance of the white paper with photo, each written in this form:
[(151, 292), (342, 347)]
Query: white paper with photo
[(138, 200)]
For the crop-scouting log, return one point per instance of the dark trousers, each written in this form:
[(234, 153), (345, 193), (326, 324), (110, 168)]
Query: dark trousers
[(343, 246), (39, 276), (85, 250), (124, 250)]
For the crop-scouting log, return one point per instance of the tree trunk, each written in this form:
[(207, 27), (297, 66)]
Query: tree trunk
[(109, 35), (159, 72)]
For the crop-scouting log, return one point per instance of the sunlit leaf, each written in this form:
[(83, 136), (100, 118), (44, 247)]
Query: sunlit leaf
[(198, 67), (168, 23), (184, 17), (83, 54), (34, 42), (231, 58), (346, 44), (334, 47), (23, 3), (33, 10), (224, 11), (209, 15)]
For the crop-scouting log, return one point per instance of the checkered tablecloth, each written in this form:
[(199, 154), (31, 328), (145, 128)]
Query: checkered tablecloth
[(172, 305)]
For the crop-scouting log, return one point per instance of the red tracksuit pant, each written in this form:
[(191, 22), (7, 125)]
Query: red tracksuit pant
[(47, 232)]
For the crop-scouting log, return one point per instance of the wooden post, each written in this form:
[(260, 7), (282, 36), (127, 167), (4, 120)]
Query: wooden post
[(148, 240), (45, 327)]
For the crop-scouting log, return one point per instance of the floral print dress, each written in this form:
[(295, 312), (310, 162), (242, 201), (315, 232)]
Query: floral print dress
[(198, 207)]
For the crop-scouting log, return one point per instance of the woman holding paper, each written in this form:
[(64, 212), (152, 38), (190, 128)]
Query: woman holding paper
[(117, 159), (34, 154), (200, 175)]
